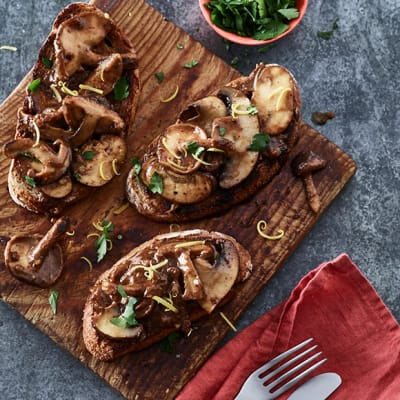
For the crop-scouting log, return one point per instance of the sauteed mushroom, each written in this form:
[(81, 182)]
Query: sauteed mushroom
[(46, 165), (273, 95), (303, 165), (78, 43), (35, 259), (239, 129), (85, 116), (182, 189), (203, 112), (97, 162)]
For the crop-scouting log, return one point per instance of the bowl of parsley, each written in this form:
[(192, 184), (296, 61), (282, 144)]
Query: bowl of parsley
[(253, 22)]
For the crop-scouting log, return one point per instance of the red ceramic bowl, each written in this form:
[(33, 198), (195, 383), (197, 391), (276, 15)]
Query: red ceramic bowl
[(248, 41)]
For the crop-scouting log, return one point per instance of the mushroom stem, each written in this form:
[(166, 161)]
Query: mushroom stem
[(312, 194), (39, 252)]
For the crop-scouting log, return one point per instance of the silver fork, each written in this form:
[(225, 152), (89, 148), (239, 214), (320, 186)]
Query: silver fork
[(254, 387)]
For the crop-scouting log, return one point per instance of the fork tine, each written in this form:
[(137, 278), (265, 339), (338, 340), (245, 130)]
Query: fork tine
[(298, 378), (265, 367)]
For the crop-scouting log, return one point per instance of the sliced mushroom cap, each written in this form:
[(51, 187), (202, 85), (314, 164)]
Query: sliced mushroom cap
[(97, 162), (106, 74), (35, 259), (273, 95), (46, 164), (181, 189), (172, 149), (239, 129), (59, 188), (219, 277), (203, 112), (194, 289), (86, 116), (78, 41), (103, 325)]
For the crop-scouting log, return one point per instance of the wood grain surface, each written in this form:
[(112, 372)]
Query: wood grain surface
[(152, 373)]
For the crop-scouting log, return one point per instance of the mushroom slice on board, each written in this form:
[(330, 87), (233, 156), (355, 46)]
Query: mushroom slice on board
[(273, 96), (58, 189), (86, 116), (76, 40), (217, 278), (303, 165), (106, 327), (106, 74), (203, 112), (181, 189), (239, 129), (47, 165), (172, 148), (97, 162), (35, 259)]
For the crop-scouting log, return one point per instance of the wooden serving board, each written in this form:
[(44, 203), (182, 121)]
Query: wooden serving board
[(153, 374)]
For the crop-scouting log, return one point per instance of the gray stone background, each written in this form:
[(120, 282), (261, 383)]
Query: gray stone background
[(356, 75)]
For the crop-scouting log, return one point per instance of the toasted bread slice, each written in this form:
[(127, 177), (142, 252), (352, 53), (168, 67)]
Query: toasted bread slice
[(82, 99), (221, 150), (160, 287)]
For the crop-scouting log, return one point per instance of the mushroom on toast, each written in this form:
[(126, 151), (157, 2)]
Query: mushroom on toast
[(160, 287), (221, 150), (71, 130)]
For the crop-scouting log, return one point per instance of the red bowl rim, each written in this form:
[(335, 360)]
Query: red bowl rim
[(233, 37)]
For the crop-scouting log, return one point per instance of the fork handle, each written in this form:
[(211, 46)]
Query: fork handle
[(241, 395)]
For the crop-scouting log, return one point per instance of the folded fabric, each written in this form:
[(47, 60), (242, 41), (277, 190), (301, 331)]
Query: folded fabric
[(337, 306)]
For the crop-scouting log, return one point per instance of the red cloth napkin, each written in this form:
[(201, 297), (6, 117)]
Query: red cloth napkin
[(338, 307)]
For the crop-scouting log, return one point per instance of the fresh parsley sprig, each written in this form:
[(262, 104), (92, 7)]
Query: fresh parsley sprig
[(259, 142), (101, 243), (128, 318)]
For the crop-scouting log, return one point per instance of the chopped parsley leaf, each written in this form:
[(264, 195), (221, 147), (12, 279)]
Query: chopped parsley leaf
[(101, 243), (160, 76), (121, 89), (326, 35), (156, 183), (221, 130), (88, 155), (168, 343), (259, 142), (194, 148), (137, 167), (53, 300), (47, 62), (191, 64), (128, 318), (34, 85), (30, 181)]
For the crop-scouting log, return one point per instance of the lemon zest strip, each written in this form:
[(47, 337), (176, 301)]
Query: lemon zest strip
[(101, 172), (225, 318), (166, 303), (174, 227), (262, 225), (92, 234), (67, 90), (174, 164), (114, 166), (88, 262), (215, 150), (236, 111), (189, 244), (72, 233), (57, 94), (121, 209), (280, 98), (275, 92), (172, 97), (37, 132), (149, 271), (7, 47), (200, 160), (91, 89), (170, 151)]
